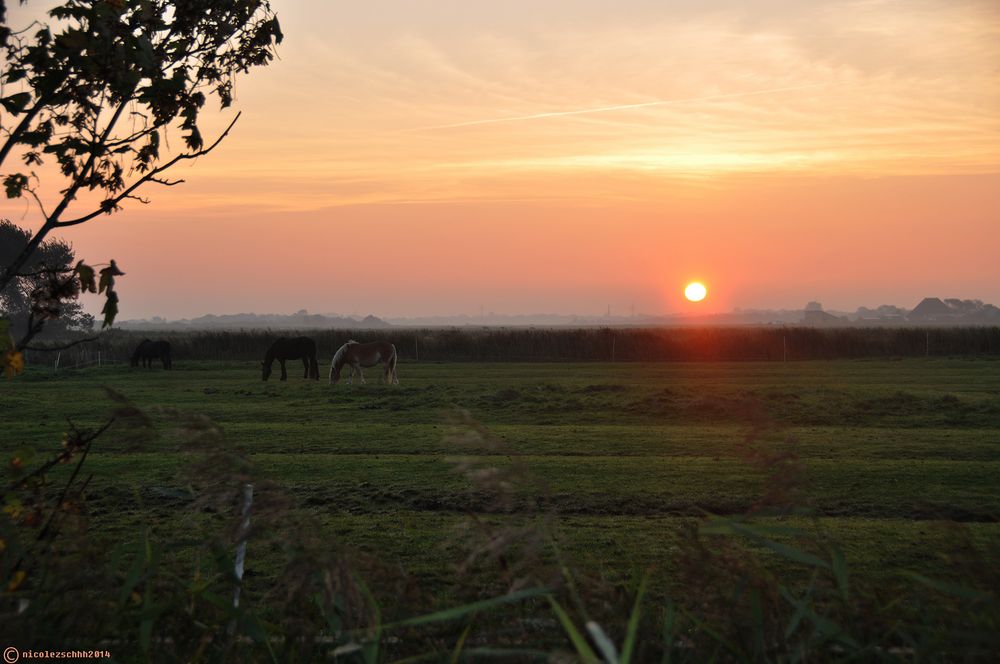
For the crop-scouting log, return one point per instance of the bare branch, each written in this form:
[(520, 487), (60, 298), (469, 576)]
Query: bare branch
[(81, 176), (149, 177), (46, 349), (44, 272), (41, 207), (166, 183)]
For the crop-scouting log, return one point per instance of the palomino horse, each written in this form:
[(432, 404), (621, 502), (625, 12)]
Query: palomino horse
[(364, 355), (147, 351), (292, 349)]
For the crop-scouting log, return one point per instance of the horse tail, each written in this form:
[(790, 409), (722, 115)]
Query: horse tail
[(336, 363), (391, 371)]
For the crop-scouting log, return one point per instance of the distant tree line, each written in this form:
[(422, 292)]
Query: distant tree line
[(679, 344)]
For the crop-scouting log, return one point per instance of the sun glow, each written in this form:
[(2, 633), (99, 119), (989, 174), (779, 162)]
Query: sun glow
[(695, 291)]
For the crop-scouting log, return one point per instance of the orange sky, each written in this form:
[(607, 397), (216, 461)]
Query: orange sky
[(567, 155)]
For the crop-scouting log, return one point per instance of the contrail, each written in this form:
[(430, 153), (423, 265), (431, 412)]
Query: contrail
[(620, 107)]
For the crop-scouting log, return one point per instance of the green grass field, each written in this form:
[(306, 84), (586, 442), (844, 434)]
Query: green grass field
[(614, 460)]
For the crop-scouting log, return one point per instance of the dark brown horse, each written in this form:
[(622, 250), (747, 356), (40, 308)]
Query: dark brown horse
[(292, 349), (147, 351), (357, 355)]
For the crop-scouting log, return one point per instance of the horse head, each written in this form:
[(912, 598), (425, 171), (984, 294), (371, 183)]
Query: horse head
[(266, 370)]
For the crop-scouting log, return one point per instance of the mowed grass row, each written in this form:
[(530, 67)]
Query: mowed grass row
[(895, 439), (621, 458)]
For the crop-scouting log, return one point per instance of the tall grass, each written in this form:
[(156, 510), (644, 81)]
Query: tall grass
[(577, 345)]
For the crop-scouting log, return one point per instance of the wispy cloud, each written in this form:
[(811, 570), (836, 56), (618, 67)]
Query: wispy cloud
[(620, 107)]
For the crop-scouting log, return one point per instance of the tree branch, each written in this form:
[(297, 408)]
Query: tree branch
[(149, 177), (34, 327), (48, 465), (14, 136), (53, 221), (41, 273), (46, 349)]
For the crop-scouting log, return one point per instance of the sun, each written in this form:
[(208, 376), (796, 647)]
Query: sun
[(695, 291)]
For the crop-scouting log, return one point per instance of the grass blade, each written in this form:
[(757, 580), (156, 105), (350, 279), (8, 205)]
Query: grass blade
[(585, 652), (457, 612), (949, 588), (628, 647), (461, 643), (603, 642)]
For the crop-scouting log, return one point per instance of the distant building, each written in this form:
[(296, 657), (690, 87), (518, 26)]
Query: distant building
[(814, 316), (931, 310)]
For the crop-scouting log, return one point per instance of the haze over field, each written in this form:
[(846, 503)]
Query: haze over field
[(407, 159)]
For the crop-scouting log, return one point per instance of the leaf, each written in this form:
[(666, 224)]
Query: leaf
[(13, 363), (108, 275), (16, 103), (14, 184), (110, 309), (16, 580), (86, 276)]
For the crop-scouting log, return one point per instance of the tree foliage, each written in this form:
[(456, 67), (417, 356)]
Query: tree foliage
[(97, 91), (35, 293)]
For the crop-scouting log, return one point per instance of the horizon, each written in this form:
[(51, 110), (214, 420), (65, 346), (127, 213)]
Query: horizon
[(609, 314), (573, 156)]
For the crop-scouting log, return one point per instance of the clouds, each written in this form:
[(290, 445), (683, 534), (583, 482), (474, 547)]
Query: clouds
[(890, 88), (761, 143)]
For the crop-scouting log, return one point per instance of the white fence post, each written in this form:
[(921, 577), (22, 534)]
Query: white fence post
[(241, 548)]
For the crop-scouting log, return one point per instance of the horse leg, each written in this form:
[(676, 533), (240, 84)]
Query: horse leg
[(361, 373), (305, 367), (284, 374)]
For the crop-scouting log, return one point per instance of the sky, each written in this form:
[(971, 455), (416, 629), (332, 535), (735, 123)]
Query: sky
[(407, 158)]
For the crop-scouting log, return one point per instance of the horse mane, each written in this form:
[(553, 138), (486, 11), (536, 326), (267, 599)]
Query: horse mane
[(338, 357)]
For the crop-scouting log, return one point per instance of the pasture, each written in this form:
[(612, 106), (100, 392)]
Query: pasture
[(599, 468)]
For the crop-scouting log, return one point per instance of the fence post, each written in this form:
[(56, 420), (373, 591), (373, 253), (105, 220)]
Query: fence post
[(241, 549), (58, 356), (98, 358)]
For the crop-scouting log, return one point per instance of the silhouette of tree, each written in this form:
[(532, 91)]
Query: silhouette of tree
[(96, 91), (27, 300)]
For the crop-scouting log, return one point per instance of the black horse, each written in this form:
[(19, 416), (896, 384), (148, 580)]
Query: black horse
[(292, 349), (147, 351)]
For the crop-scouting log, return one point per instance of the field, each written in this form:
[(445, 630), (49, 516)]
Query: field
[(469, 479)]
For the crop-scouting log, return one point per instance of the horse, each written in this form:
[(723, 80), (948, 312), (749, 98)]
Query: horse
[(358, 355), (148, 350), (292, 349)]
